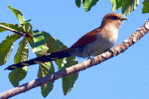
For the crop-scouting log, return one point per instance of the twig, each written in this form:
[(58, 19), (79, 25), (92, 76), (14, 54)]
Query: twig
[(81, 66), (17, 32)]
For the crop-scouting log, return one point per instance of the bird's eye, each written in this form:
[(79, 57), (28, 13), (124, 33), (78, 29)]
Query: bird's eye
[(114, 18)]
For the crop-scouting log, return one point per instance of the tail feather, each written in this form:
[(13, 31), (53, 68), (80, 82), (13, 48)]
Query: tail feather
[(44, 58)]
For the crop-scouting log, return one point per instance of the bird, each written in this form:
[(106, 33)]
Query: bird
[(92, 43)]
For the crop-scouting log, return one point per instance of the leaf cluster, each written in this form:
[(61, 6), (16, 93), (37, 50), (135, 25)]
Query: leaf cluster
[(41, 44), (126, 6)]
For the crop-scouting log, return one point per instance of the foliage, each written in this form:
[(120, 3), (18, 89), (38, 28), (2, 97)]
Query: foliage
[(145, 6), (21, 55), (6, 46), (46, 69), (18, 14), (41, 44), (126, 6)]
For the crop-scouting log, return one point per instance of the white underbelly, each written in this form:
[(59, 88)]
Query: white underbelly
[(100, 45), (97, 47)]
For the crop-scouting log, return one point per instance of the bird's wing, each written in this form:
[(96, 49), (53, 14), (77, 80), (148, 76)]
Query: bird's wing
[(86, 39)]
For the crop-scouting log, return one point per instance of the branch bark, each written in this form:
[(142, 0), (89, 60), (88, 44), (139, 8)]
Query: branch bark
[(81, 66), (15, 31)]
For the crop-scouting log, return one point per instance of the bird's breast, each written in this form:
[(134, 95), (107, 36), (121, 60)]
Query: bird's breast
[(104, 40), (100, 45), (110, 32), (97, 47)]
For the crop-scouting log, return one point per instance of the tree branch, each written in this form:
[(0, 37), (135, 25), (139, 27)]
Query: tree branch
[(15, 31), (81, 66)]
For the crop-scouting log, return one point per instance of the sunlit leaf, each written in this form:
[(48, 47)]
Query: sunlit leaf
[(6, 46), (52, 43), (116, 4), (44, 70), (39, 44), (22, 52), (145, 6), (40, 48), (93, 3), (127, 6), (87, 4), (18, 14), (19, 74), (69, 81), (55, 45), (27, 27)]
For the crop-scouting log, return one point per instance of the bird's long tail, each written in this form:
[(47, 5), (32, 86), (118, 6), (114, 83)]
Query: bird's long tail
[(44, 58)]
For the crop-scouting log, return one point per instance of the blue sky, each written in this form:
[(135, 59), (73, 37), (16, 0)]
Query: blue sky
[(122, 77)]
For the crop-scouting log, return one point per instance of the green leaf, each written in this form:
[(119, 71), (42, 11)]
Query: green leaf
[(17, 75), (39, 44), (88, 4), (52, 43), (69, 81), (22, 52), (116, 4), (93, 3), (5, 47), (44, 70), (145, 6), (27, 27), (18, 14), (78, 3), (55, 45), (127, 6), (130, 5)]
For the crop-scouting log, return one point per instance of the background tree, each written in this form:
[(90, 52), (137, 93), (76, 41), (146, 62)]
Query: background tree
[(43, 42)]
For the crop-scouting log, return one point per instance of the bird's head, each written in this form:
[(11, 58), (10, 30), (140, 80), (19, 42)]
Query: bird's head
[(114, 19)]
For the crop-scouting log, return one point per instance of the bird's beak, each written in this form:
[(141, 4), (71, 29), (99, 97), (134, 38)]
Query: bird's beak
[(123, 18)]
